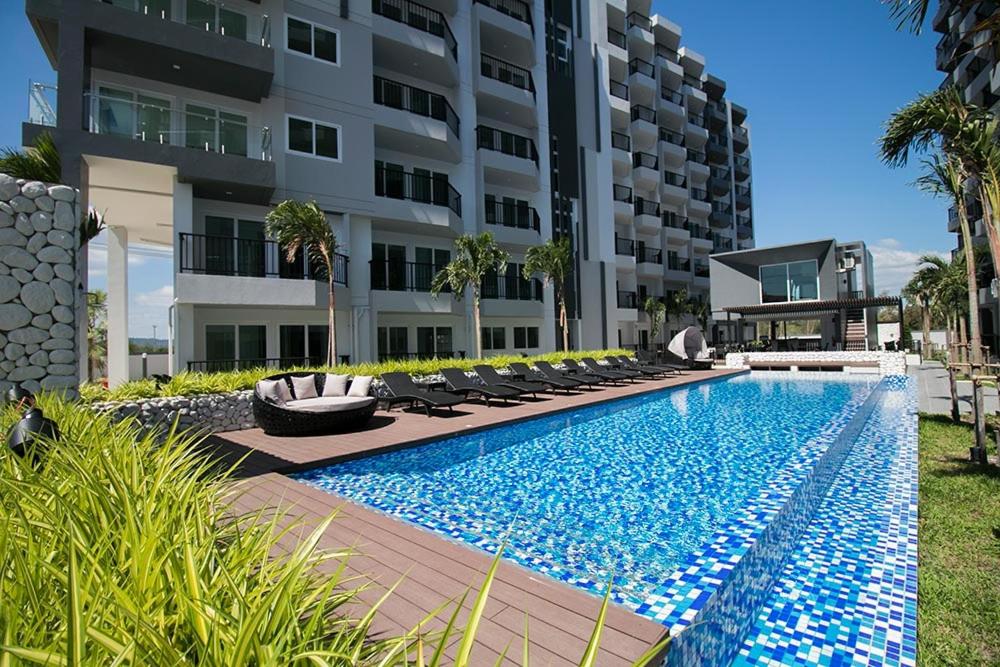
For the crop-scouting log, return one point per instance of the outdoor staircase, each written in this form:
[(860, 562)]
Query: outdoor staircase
[(855, 330)]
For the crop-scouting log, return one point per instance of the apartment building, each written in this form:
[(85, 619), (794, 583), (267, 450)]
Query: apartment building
[(970, 65), (409, 124)]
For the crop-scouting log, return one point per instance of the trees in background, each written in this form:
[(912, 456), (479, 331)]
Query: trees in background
[(554, 260), (97, 332)]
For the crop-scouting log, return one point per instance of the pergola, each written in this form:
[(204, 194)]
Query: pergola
[(809, 309)]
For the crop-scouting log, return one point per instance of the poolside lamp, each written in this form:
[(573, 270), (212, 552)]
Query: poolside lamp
[(33, 427)]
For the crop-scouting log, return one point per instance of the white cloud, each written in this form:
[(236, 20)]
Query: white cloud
[(148, 309), (894, 264), (161, 297)]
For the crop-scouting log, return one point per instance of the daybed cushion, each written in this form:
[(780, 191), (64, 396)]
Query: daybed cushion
[(305, 386), (275, 391), (335, 385), (330, 403), (360, 385)]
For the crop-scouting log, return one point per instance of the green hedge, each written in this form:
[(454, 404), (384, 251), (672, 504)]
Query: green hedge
[(190, 384)]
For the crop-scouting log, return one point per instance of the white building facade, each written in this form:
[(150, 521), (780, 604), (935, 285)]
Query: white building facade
[(409, 124)]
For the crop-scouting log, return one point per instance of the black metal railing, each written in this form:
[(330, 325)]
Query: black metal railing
[(675, 179), (675, 263), (635, 19), (256, 258), (436, 354), (719, 172), (667, 53), (646, 207), (672, 96), (640, 66), (616, 37), (699, 194), (671, 137), (701, 269), (618, 89), (624, 246), (224, 365), (511, 214), (423, 188), (508, 143), (493, 68), (697, 156), (512, 287), (722, 207), (640, 112), (627, 299), (722, 243), (621, 193), (420, 17), (516, 9), (650, 256), (699, 231), (421, 102), (399, 276), (674, 220), (695, 119), (646, 160), (621, 141)]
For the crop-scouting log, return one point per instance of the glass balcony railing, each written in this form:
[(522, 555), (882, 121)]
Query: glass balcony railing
[(699, 231), (142, 118), (618, 89), (616, 38), (674, 220), (644, 160), (674, 179), (646, 207), (208, 15), (640, 112), (635, 19), (622, 193), (640, 66), (42, 98), (671, 137), (672, 96)]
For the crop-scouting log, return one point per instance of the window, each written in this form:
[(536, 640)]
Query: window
[(318, 338), (392, 343), (292, 344), (311, 138), (525, 338), (793, 281), (494, 338), (253, 345), (563, 47), (311, 40), (220, 342), (433, 341)]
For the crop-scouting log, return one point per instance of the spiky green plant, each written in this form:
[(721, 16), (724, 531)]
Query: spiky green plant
[(475, 258), (40, 162), (303, 226), (554, 260)]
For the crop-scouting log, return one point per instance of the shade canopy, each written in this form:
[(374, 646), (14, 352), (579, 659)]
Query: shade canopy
[(689, 344)]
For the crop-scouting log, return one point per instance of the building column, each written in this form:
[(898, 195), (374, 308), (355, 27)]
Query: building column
[(183, 335), (117, 305), (363, 319)]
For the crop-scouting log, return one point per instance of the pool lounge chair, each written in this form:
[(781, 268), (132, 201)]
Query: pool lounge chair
[(646, 358), (601, 376), (492, 378), (594, 367), (460, 383), (625, 364), (405, 390), (556, 381), (549, 371)]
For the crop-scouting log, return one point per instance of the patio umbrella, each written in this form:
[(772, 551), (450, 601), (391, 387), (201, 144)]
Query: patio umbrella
[(689, 344)]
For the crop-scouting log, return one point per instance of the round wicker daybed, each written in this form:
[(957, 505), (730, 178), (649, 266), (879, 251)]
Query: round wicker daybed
[(311, 416)]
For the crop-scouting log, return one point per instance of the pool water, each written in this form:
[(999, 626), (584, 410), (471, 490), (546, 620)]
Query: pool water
[(626, 489)]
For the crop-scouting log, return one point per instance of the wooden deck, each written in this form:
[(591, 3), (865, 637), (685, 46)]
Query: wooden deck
[(431, 570)]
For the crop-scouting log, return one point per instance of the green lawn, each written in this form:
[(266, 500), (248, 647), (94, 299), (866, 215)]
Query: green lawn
[(959, 572)]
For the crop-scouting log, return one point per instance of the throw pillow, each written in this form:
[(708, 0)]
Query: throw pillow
[(270, 391), (305, 386), (335, 385), (360, 385)]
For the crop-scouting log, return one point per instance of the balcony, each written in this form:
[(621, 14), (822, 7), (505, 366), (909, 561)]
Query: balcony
[(642, 80), (717, 150), (744, 232), (412, 38), (508, 159), (405, 287), (643, 126), (719, 181), (506, 26), (700, 270), (233, 271), (617, 38), (721, 243), (718, 115), (627, 300), (671, 106), (695, 130), (624, 247), (512, 223), (672, 147), (621, 147), (512, 287), (675, 228), (722, 215), (645, 170), (199, 44), (742, 167), (674, 189), (506, 91), (699, 202), (739, 113), (420, 198), (677, 268), (623, 203), (412, 120), (741, 138), (646, 215), (742, 197), (649, 262)]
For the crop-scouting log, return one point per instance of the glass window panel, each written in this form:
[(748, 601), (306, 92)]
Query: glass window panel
[(486, 334), (220, 342), (233, 133), (398, 345), (200, 125), (115, 112), (325, 45), (396, 267), (250, 247), (425, 342), (520, 338), (219, 245), (300, 135), (327, 141), (201, 14), (803, 280), (443, 341), (299, 36), (253, 345), (234, 24), (153, 118), (319, 337), (499, 340), (421, 185), (773, 283), (383, 342), (292, 343), (532, 337)]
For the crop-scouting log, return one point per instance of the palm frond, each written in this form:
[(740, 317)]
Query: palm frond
[(40, 162), (932, 117), (909, 14)]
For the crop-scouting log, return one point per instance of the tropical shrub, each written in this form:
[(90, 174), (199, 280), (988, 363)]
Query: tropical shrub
[(190, 384)]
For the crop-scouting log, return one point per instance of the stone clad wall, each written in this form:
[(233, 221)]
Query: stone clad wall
[(888, 363), (213, 413), (38, 241)]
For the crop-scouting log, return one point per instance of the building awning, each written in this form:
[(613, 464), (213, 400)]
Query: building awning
[(759, 311)]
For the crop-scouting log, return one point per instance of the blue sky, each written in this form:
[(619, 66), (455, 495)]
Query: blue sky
[(818, 80)]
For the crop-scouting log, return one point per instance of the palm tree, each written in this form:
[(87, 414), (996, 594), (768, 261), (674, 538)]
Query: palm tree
[(41, 162), (698, 307), (97, 331), (925, 288), (475, 258), (303, 226), (678, 305), (657, 312), (946, 177), (554, 260)]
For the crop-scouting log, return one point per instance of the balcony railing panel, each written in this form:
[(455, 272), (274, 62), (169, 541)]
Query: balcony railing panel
[(211, 131), (697, 156), (207, 15), (644, 160), (672, 96), (671, 137), (425, 189), (621, 141), (635, 19), (516, 9), (646, 207), (640, 112), (618, 89), (624, 246), (277, 363), (395, 276), (505, 142), (627, 299), (699, 194), (650, 256), (674, 220), (675, 263), (622, 193), (699, 231), (640, 66), (512, 287), (415, 100), (506, 214), (675, 179), (695, 119), (420, 17), (617, 38), (505, 72), (227, 256), (42, 103)]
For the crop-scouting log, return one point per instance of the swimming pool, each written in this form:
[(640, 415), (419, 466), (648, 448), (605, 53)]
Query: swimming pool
[(627, 489)]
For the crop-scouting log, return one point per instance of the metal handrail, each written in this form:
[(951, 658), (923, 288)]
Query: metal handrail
[(646, 160), (515, 215), (500, 70), (621, 141), (621, 193), (420, 17), (426, 189), (216, 17), (400, 276), (618, 89), (671, 137), (638, 65), (508, 143), (646, 207), (512, 287), (205, 254), (675, 179), (516, 9), (642, 112), (672, 96), (617, 37), (624, 246), (415, 100)]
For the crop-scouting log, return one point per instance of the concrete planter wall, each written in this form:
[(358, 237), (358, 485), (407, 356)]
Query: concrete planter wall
[(38, 251), (884, 363)]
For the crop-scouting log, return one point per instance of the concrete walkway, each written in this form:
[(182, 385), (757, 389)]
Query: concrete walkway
[(935, 398)]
